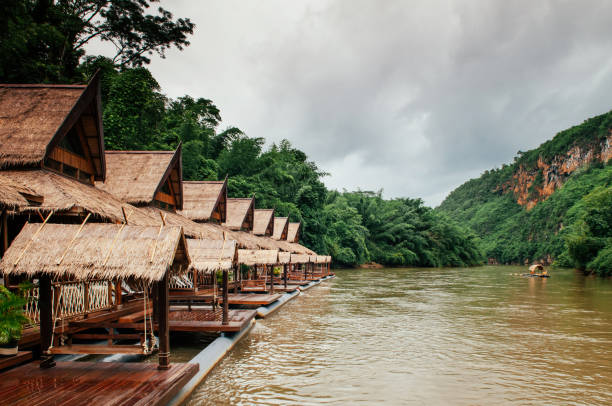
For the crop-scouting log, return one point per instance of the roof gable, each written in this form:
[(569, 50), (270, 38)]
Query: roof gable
[(35, 118), (263, 222), (136, 177), (240, 213), (205, 200), (281, 225), (293, 232)]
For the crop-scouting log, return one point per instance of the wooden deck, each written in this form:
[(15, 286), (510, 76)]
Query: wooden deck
[(251, 299), (93, 383), (203, 319)]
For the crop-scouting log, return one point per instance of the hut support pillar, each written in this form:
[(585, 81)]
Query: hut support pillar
[(235, 278), (285, 275), (225, 297), (271, 279), (4, 234), (45, 307), (163, 311)]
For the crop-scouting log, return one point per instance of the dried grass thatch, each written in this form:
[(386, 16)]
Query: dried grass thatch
[(136, 176), (212, 255), (300, 258), (201, 199), (14, 195), (96, 251), (34, 117), (190, 228), (536, 267), (293, 232), (263, 222), (62, 194), (258, 257), (240, 214), (281, 226), (284, 257)]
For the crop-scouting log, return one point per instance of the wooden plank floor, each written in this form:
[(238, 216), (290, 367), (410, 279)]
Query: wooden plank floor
[(205, 320), (93, 383), (251, 299)]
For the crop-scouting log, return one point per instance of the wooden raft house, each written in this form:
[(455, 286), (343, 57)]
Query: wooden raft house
[(293, 232), (200, 287), (281, 228), (205, 201), (79, 271), (263, 222), (240, 214)]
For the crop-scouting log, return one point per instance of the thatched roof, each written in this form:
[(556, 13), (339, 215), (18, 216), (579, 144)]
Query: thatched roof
[(14, 195), (300, 258), (34, 118), (263, 223), (281, 226), (258, 257), (190, 228), (212, 255), (284, 257), (136, 176), (321, 259), (240, 214), (536, 267), (328, 259), (63, 194), (96, 251), (201, 200), (293, 232)]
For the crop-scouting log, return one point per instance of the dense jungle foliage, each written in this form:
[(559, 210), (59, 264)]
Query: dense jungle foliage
[(572, 226), (44, 41)]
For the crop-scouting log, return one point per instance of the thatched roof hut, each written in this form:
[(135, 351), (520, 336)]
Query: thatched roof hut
[(14, 195), (263, 222), (96, 251), (36, 118), (536, 268), (281, 227), (240, 214), (145, 177), (300, 258), (66, 195), (258, 257), (284, 257), (205, 200), (321, 259), (190, 228), (212, 255), (293, 232)]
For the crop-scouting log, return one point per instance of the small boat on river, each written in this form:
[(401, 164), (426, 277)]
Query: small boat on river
[(533, 272)]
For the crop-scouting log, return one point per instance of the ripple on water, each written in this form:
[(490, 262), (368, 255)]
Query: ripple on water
[(413, 336)]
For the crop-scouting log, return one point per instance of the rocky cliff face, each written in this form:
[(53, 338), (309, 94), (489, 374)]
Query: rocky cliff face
[(534, 185)]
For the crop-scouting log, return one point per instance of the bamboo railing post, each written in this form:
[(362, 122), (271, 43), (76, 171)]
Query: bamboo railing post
[(163, 306), (109, 291), (118, 293), (225, 297), (86, 298), (45, 307), (271, 279)]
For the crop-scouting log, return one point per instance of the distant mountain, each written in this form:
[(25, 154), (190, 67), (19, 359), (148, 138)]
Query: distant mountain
[(531, 209)]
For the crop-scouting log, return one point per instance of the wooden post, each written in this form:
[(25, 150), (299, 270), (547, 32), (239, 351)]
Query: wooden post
[(225, 297), (236, 278), (285, 275), (271, 279), (4, 246), (86, 298), (163, 331), (45, 307), (118, 293)]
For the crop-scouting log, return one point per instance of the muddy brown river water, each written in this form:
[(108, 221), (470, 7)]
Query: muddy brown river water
[(476, 336)]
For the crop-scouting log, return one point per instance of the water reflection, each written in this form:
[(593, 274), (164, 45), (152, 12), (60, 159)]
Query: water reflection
[(455, 336)]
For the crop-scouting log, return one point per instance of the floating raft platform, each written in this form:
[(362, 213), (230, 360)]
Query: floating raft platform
[(203, 319), (95, 383), (251, 299)]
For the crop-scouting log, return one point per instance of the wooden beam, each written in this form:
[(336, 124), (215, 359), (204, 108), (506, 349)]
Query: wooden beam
[(46, 319), (225, 296), (163, 306)]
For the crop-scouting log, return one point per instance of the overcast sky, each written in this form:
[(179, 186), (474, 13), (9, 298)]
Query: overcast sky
[(414, 97)]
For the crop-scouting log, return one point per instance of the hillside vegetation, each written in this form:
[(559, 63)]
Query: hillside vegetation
[(552, 203)]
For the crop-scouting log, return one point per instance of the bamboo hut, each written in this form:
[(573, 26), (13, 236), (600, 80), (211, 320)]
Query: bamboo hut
[(281, 228), (145, 178), (262, 262), (293, 232), (299, 267), (205, 201), (263, 222), (240, 213), (80, 269)]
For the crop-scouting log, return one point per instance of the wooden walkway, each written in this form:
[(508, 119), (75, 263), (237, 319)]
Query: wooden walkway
[(251, 299), (93, 383)]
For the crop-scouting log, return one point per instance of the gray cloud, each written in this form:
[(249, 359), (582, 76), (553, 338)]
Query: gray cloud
[(412, 97)]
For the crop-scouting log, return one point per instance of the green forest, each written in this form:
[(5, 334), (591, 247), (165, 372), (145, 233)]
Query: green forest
[(573, 226), (45, 42)]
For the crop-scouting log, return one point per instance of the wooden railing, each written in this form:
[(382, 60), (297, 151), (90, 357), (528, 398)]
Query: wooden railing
[(72, 299)]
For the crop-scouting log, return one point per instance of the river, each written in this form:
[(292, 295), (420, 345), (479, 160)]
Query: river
[(427, 336)]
